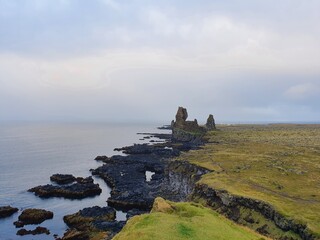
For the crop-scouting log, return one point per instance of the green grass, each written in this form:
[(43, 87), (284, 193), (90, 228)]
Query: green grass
[(278, 164), (175, 221)]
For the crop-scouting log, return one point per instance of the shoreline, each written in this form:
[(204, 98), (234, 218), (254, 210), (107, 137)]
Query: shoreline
[(168, 173)]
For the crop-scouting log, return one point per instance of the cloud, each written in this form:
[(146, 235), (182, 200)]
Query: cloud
[(111, 3), (242, 59), (302, 91)]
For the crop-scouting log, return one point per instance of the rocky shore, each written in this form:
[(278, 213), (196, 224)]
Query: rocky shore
[(133, 191), (146, 172), (33, 216), (68, 187)]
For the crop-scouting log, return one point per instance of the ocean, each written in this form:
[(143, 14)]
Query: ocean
[(31, 152)]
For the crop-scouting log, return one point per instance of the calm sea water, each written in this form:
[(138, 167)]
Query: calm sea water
[(31, 153)]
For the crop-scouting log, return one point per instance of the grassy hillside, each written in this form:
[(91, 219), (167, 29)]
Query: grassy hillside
[(168, 221), (279, 164)]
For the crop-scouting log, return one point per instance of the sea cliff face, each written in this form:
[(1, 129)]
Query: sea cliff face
[(255, 214), (182, 177)]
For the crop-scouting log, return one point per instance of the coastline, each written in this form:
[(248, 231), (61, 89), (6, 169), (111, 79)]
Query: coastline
[(172, 180)]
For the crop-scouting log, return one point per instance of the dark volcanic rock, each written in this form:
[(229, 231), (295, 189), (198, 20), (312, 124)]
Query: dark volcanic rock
[(34, 216), (62, 178), (131, 191), (18, 224), (113, 226), (165, 127), (228, 205), (72, 234), (181, 115), (86, 180), (161, 150), (92, 220), (38, 230), (101, 158), (186, 131), (180, 179), (73, 191), (210, 125), (86, 216), (127, 177), (162, 136), (106, 213), (263, 229), (7, 211), (134, 212)]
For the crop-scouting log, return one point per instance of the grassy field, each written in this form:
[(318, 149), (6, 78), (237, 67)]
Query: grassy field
[(177, 221), (279, 164)]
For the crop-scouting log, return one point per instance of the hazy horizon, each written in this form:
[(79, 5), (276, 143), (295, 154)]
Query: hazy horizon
[(138, 60)]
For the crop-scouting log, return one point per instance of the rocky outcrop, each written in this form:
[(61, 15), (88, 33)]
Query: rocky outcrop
[(72, 234), (36, 231), (134, 212), (249, 212), (92, 221), (165, 127), (86, 217), (180, 179), (210, 125), (74, 191), (186, 131), (62, 178), (126, 175), (161, 205), (7, 211), (33, 216), (159, 149), (101, 158), (81, 188)]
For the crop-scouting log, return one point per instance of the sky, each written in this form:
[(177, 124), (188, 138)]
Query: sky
[(138, 60)]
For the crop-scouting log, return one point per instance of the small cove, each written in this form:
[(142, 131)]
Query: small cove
[(31, 153)]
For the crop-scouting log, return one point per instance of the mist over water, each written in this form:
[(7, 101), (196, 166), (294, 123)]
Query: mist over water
[(31, 153)]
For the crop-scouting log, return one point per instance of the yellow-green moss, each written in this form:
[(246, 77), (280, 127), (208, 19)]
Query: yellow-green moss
[(186, 221), (279, 164)]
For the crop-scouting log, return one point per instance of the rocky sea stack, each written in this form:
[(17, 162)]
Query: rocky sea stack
[(189, 131)]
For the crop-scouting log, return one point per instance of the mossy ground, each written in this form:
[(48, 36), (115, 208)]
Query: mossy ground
[(183, 221), (278, 164)]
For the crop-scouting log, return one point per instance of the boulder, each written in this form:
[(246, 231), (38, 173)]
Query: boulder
[(62, 178), (90, 222), (85, 217), (38, 230), (34, 216), (7, 211), (161, 205)]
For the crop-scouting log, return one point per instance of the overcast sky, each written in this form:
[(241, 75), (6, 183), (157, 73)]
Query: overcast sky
[(138, 60)]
